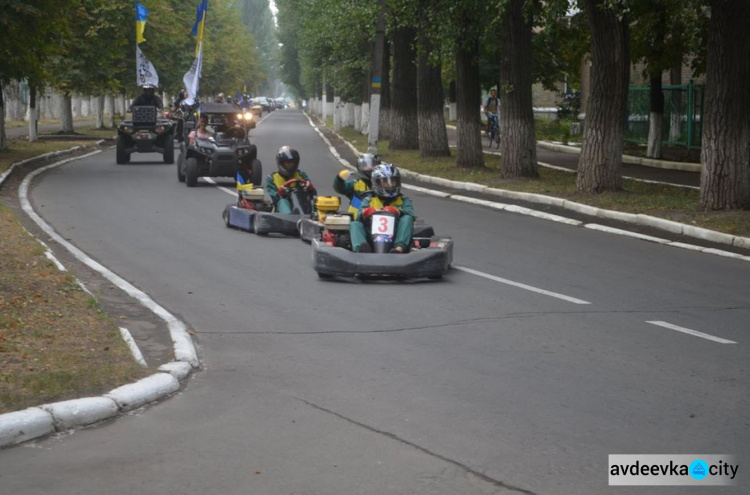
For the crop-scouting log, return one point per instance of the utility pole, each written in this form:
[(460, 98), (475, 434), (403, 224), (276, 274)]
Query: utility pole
[(377, 81)]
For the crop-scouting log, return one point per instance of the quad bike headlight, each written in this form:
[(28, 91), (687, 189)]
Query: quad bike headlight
[(160, 129), (127, 129), (242, 151), (207, 151)]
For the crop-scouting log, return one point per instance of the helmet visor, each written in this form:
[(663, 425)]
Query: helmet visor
[(389, 186)]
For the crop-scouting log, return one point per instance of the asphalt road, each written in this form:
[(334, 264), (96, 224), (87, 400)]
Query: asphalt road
[(473, 384)]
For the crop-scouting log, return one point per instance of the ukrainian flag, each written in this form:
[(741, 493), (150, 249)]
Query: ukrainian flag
[(140, 22), (200, 20)]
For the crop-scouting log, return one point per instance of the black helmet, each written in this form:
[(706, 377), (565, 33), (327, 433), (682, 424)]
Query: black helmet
[(286, 155), (366, 162), (386, 181)]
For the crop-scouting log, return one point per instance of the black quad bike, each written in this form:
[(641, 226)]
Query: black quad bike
[(221, 155), (145, 133)]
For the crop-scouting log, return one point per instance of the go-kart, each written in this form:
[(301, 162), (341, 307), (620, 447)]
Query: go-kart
[(221, 155), (242, 215), (326, 215), (145, 133), (286, 223), (332, 255)]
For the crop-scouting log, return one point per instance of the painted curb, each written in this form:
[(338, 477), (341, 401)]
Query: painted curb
[(149, 389), (21, 426), (634, 160), (81, 412), (38, 422)]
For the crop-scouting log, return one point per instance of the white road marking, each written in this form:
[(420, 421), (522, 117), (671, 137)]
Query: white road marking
[(133, 347), (520, 285), (231, 192), (691, 332)]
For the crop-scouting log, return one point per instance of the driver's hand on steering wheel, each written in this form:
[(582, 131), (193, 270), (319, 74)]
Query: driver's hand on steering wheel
[(283, 191)]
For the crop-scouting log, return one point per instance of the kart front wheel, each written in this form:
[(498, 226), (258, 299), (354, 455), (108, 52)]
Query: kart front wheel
[(191, 172)]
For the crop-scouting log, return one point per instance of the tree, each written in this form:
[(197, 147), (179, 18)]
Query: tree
[(257, 16), (601, 155), (433, 136), (517, 134), (725, 157), (404, 119), (30, 39)]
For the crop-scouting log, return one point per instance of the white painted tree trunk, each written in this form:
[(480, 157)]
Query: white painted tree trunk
[(337, 109), (99, 108), (656, 122)]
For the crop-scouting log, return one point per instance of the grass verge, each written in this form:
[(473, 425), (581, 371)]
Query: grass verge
[(671, 203), (55, 342)]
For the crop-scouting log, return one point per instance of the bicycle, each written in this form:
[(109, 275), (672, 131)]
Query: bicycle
[(493, 131)]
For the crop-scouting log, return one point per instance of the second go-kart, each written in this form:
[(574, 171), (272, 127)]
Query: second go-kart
[(302, 201), (428, 257), (145, 133)]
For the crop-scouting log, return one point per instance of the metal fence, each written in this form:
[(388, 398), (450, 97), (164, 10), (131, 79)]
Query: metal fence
[(683, 107)]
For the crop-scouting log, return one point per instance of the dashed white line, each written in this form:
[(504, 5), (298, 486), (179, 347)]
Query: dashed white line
[(688, 331), (520, 285)]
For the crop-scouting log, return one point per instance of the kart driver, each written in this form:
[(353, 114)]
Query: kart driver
[(357, 188), (287, 161), (386, 188)]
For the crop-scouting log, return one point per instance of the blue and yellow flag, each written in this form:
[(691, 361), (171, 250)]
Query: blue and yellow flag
[(200, 20), (140, 22)]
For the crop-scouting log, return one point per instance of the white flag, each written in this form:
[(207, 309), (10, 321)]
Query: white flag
[(193, 76), (145, 71)]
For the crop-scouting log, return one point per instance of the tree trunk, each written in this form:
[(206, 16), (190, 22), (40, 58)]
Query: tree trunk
[(100, 112), (433, 135), (468, 101), (656, 118), (600, 163), (3, 138), (404, 120), (385, 91), (725, 157), (113, 110), (675, 120), (517, 134), (66, 114), (32, 114)]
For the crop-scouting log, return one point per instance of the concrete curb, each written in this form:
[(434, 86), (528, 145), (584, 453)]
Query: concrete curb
[(637, 219), (634, 160), (38, 422)]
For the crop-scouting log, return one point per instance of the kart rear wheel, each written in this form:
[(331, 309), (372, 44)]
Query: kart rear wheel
[(169, 150), (121, 156), (181, 168), (191, 172)]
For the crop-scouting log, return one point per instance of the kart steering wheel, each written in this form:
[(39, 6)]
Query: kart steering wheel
[(296, 182)]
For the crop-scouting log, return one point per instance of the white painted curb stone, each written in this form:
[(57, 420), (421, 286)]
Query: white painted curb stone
[(149, 389), (80, 412)]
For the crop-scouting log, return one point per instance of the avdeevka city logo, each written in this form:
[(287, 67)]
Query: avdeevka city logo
[(698, 469)]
